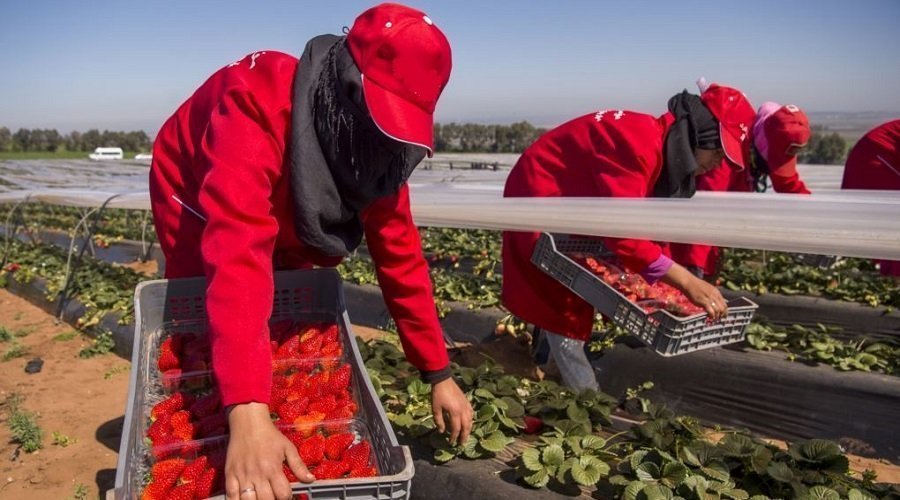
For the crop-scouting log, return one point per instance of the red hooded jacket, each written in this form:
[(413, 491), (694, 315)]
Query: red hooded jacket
[(609, 153), (221, 198), (874, 163)]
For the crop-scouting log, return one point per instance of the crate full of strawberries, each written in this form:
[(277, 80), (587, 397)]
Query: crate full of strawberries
[(658, 314), (176, 432)]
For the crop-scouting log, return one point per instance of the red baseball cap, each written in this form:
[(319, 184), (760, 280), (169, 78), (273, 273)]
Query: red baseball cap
[(735, 115), (405, 63), (787, 132)]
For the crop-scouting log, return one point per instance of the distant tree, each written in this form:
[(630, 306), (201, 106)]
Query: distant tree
[(22, 140), (824, 149), (73, 141), (91, 140), (5, 139)]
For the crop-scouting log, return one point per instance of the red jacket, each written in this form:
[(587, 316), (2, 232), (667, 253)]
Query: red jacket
[(610, 153), (874, 163), (222, 154), (727, 178)]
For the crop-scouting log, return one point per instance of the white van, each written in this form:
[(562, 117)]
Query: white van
[(107, 154)]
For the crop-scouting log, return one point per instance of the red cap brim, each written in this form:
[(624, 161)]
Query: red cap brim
[(734, 149), (398, 118)]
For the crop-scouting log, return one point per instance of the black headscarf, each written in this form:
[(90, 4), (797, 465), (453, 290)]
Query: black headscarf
[(340, 161), (694, 127)]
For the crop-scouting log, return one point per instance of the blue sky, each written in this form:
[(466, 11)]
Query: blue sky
[(128, 64)]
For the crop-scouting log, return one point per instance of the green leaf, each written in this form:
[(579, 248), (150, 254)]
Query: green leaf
[(537, 480), (403, 420), (855, 494), (592, 442), (716, 470), (736, 494), (673, 473), (780, 472), (815, 451), (486, 413), (822, 493), (647, 471), (587, 471), (531, 459), (577, 413), (495, 442), (514, 408), (482, 393), (443, 455), (553, 455), (633, 490), (656, 492)]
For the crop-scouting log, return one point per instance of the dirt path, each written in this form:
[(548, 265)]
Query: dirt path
[(81, 399)]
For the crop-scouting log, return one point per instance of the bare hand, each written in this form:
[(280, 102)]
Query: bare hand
[(447, 397), (256, 454), (699, 292)]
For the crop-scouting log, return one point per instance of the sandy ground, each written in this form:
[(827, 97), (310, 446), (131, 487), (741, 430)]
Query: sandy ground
[(83, 399)]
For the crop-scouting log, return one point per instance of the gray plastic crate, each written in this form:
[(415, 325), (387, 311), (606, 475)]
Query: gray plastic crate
[(297, 294), (665, 333)]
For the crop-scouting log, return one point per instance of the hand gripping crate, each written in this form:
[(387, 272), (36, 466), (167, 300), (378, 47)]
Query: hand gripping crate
[(298, 294), (665, 333)]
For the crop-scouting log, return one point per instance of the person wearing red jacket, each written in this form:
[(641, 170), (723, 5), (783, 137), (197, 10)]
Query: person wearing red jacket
[(874, 163), (275, 163), (778, 133), (617, 154)]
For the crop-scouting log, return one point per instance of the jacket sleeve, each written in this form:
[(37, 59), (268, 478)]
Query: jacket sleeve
[(788, 184), (627, 177), (241, 162), (393, 241)]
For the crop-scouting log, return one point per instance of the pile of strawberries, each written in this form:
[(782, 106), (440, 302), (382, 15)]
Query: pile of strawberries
[(636, 289), (312, 404)]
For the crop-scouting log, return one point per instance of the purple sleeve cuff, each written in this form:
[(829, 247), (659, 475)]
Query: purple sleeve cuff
[(657, 269)]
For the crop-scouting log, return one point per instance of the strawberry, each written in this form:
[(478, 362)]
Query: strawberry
[(325, 404), (306, 424), (170, 405), (165, 473), (358, 455), (288, 350), (533, 425), (212, 425), (311, 345), (340, 379), (294, 437), (330, 333), (168, 359), (331, 349), (205, 483), (330, 469), (193, 470), (160, 428), (171, 379), (182, 428), (155, 491), (364, 472), (336, 444), (207, 405), (182, 492), (292, 410), (312, 450), (166, 447)]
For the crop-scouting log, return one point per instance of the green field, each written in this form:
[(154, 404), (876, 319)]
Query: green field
[(52, 155)]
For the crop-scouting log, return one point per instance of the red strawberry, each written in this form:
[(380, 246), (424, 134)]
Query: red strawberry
[(168, 360), (289, 349), (330, 469), (358, 455), (310, 344), (182, 428), (171, 379), (155, 491), (193, 471), (325, 404), (207, 405), (340, 379), (330, 333), (336, 444), (170, 405), (165, 472), (331, 349), (312, 450), (205, 483), (291, 410), (533, 425), (160, 428), (166, 447), (294, 437), (182, 492), (364, 472), (306, 424), (279, 395), (213, 425)]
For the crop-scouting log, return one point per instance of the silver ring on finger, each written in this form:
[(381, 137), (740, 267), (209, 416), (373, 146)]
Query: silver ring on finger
[(248, 490)]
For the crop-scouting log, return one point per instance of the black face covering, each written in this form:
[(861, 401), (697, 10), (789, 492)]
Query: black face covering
[(694, 127), (340, 161)]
